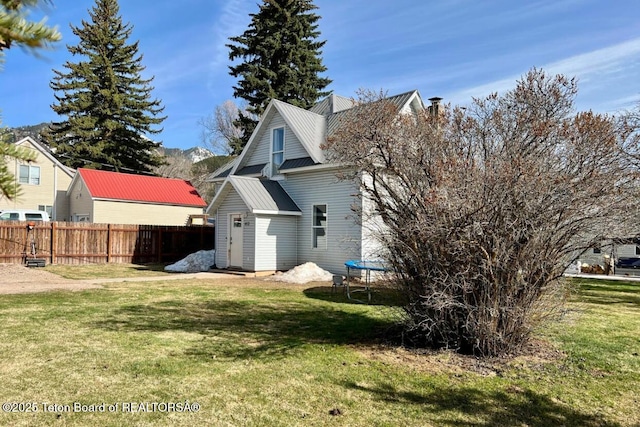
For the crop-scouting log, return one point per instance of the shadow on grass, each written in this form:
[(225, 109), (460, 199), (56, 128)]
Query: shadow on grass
[(379, 296), (487, 408), (150, 267), (239, 329), (609, 292)]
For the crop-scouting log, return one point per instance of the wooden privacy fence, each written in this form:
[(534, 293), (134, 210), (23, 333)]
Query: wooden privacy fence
[(86, 243)]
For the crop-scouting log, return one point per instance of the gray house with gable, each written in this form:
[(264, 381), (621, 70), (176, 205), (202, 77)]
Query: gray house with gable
[(279, 204)]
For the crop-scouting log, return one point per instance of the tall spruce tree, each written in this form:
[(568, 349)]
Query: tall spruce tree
[(107, 103), (281, 59)]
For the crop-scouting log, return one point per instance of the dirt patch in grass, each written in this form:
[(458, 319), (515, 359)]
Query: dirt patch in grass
[(18, 279), (534, 356)]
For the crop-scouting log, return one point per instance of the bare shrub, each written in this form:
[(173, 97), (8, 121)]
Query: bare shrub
[(483, 208)]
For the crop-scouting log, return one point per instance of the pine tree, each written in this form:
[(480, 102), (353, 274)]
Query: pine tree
[(281, 59), (16, 30), (107, 103)]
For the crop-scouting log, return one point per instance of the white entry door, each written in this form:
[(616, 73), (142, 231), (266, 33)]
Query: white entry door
[(235, 240)]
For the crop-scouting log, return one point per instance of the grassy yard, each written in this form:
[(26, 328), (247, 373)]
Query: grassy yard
[(256, 353)]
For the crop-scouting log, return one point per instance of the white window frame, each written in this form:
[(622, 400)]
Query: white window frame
[(315, 227), (275, 167), (30, 177), (47, 208)]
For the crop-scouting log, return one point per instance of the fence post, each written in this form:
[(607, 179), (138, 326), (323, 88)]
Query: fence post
[(159, 244), (108, 243), (52, 247)]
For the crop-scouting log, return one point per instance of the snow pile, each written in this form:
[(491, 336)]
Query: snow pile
[(193, 263), (305, 273)]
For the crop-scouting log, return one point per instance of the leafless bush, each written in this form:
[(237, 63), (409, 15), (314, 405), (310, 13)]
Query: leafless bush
[(483, 208)]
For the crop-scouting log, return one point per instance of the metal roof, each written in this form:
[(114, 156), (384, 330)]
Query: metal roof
[(263, 196), (139, 188), (250, 170), (401, 101), (297, 163), (332, 104), (223, 171)]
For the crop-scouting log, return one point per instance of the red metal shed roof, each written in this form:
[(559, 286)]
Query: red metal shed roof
[(140, 188)]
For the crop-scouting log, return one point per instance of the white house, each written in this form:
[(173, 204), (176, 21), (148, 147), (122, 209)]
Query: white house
[(279, 204)]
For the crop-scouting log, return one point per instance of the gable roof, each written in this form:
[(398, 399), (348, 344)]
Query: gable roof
[(47, 153), (259, 195), (333, 104), (403, 101), (309, 128), (138, 188), (223, 171)]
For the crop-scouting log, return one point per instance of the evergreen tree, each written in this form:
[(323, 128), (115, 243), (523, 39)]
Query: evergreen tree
[(108, 105), (16, 30), (281, 59)]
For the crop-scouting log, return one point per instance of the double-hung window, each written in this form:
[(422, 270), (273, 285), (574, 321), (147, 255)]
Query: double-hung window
[(48, 209), (277, 149), (29, 175), (319, 227)]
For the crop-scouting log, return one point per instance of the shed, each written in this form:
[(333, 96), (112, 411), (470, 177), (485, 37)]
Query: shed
[(119, 198)]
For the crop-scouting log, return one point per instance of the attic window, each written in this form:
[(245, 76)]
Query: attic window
[(277, 149)]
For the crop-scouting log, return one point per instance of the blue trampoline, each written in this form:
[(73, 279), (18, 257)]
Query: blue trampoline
[(367, 267)]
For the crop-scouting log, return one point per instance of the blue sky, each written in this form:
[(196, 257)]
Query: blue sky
[(454, 49)]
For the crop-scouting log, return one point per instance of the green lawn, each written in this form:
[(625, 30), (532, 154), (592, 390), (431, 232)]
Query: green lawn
[(257, 353)]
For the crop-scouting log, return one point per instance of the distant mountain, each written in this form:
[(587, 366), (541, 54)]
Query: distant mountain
[(193, 155), (16, 134), (198, 154)]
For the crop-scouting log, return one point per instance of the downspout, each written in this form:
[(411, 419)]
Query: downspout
[(54, 208)]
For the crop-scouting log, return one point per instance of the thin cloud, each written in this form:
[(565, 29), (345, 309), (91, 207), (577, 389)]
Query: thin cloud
[(592, 67)]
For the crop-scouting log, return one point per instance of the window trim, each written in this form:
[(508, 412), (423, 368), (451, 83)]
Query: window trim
[(275, 169), (314, 227), (29, 174), (46, 208)]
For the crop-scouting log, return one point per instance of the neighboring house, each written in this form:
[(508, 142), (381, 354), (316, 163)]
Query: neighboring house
[(629, 248), (280, 204), (120, 198), (43, 182)]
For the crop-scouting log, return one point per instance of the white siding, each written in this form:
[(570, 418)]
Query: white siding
[(293, 149), (343, 234), (372, 229), (249, 243), (628, 251), (276, 246), (231, 204)]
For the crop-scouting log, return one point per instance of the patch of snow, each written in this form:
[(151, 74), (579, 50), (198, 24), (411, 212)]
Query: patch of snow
[(197, 154), (304, 273), (194, 263)]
